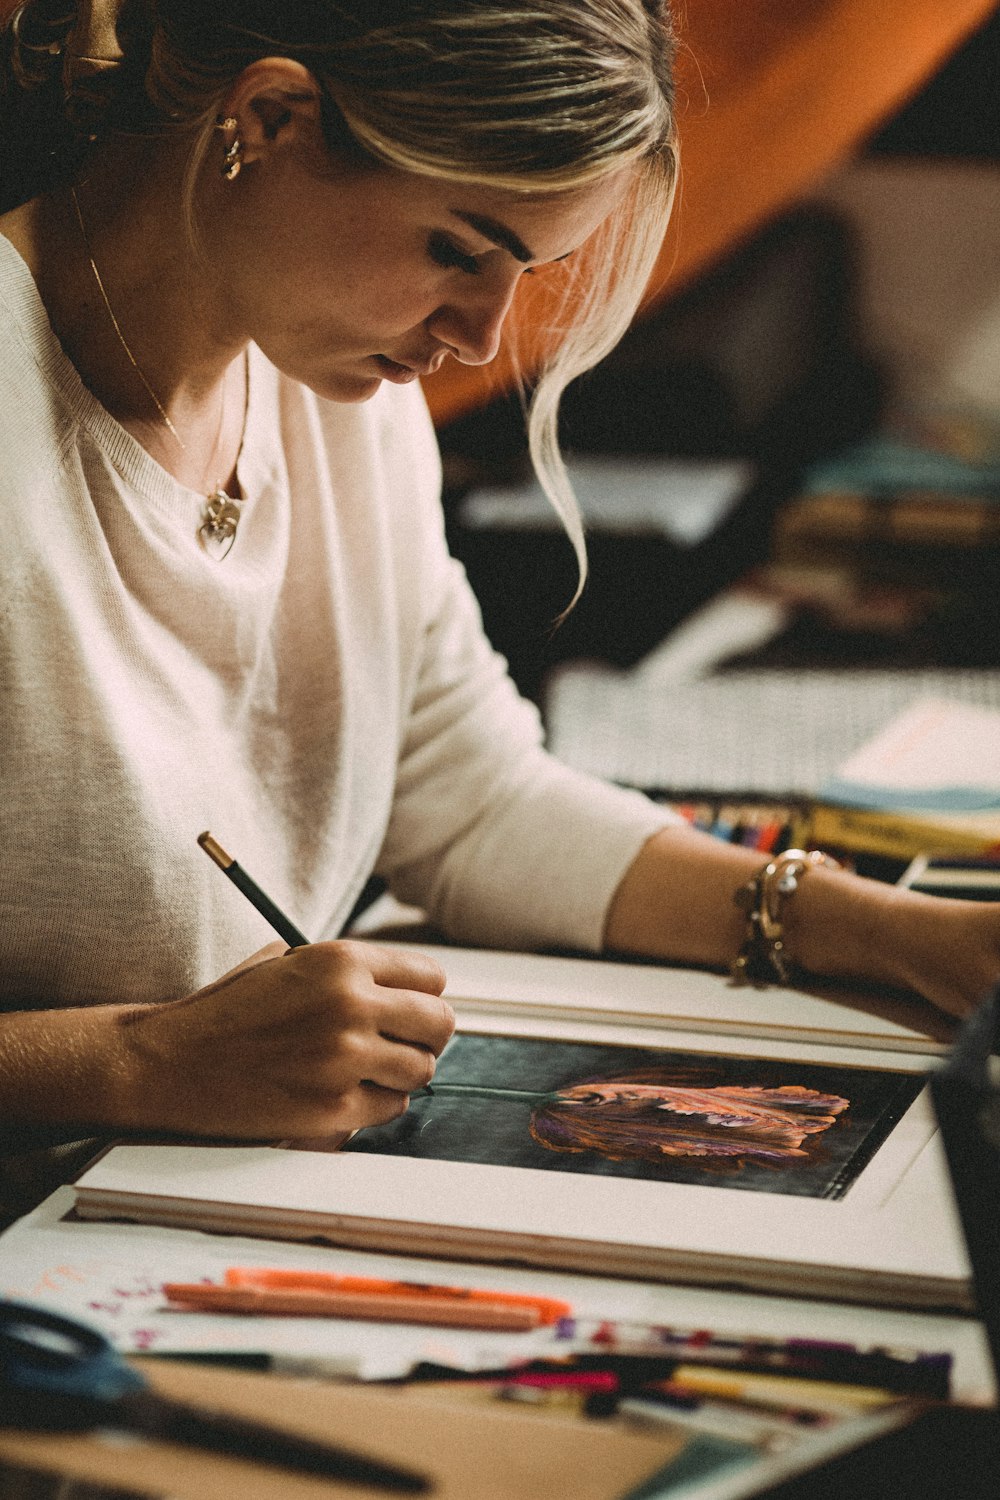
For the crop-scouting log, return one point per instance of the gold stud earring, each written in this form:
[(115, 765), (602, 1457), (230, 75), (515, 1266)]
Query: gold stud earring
[(232, 161)]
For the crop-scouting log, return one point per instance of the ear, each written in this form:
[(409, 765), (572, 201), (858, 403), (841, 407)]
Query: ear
[(276, 102)]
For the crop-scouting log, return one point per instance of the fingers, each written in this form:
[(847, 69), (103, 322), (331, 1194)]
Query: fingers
[(395, 994), (420, 1021), (399, 968), (400, 1067)]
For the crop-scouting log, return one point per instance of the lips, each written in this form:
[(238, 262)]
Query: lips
[(394, 370)]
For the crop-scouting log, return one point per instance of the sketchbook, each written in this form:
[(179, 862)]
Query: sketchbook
[(576, 1126)]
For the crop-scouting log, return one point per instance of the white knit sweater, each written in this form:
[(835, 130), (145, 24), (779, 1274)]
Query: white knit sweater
[(322, 700)]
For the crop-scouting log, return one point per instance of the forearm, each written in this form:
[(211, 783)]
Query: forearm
[(676, 899), (67, 1069), (676, 902)]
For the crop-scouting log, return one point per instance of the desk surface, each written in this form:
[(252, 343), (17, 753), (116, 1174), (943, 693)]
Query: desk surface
[(110, 1274)]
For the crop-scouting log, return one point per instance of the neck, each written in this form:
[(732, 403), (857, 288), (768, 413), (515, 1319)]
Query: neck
[(185, 407)]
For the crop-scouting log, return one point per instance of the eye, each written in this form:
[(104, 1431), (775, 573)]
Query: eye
[(445, 252)]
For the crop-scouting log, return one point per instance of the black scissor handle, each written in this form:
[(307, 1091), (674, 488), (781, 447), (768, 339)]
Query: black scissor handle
[(45, 1357)]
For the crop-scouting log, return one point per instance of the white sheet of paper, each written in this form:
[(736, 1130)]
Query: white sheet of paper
[(937, 742), (682, 499)]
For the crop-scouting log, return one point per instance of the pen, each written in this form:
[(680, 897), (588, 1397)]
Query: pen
[(783, 1392), (539, 1380), (204, 1297), (549, 1309), (282, 925)]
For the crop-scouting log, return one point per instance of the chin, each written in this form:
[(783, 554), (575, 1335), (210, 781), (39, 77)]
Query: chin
[(348, 386), (347, 389)]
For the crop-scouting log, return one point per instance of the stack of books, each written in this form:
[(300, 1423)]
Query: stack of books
[(919, 504)]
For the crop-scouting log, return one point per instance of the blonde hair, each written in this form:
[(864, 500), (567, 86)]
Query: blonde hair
[(527, 96)]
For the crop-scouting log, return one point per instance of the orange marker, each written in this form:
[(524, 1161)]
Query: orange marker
[(549, 1309)]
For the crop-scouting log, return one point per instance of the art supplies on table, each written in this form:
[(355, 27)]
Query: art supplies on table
[(583, 1366), (585, 1344), (482, 1440), (569, 1139)]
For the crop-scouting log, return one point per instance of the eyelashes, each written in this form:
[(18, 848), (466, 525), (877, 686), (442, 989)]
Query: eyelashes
[(445, 252)]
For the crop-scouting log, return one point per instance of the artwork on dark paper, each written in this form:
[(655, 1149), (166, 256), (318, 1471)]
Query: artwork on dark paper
[(770, 1126)]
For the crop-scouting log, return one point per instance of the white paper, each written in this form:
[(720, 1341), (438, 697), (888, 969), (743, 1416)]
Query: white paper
[(683, 500), (936, 743)]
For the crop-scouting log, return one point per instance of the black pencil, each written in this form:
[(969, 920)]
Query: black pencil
[(282, 925)]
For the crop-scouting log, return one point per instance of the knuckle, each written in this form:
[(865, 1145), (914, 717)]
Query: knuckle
[(349, 1053), (346, 951), (337, 960)]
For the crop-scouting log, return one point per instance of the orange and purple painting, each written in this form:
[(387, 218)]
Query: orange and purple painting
[(756, 1123)]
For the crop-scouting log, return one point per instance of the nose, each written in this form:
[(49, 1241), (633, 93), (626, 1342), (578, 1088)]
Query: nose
[(470, 323)]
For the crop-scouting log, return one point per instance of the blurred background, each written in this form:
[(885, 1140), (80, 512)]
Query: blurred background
[(809, 404)]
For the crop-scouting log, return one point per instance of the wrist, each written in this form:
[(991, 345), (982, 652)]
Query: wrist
[(841, 926), (763, 899), (141, 1073)]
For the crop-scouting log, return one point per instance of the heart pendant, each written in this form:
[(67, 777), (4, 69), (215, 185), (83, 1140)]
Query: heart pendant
[(220, 518)]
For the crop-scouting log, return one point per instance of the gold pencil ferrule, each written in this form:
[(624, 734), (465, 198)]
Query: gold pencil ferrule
[(215, 851)]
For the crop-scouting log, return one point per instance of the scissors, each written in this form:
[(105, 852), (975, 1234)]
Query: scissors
[(60, 1375)]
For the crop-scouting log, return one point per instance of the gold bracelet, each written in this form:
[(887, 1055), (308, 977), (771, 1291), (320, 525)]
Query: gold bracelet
[(762, 953)]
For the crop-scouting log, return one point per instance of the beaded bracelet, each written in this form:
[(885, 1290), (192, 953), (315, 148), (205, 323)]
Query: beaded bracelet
[(762, 954)]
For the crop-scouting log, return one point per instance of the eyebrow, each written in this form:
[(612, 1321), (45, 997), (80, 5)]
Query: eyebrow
[(499, 234)]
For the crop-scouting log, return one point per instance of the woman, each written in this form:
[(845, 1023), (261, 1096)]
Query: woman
[(237, 242)]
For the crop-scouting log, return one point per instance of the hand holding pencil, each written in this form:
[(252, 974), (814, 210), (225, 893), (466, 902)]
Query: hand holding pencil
[(316, 1041)]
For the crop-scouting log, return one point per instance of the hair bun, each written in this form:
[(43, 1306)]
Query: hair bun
[(91, 56)]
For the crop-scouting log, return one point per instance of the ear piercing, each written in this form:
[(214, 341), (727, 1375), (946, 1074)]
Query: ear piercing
[(232, 161)]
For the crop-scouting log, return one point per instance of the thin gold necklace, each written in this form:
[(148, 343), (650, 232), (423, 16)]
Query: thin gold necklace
[(221, 514)]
